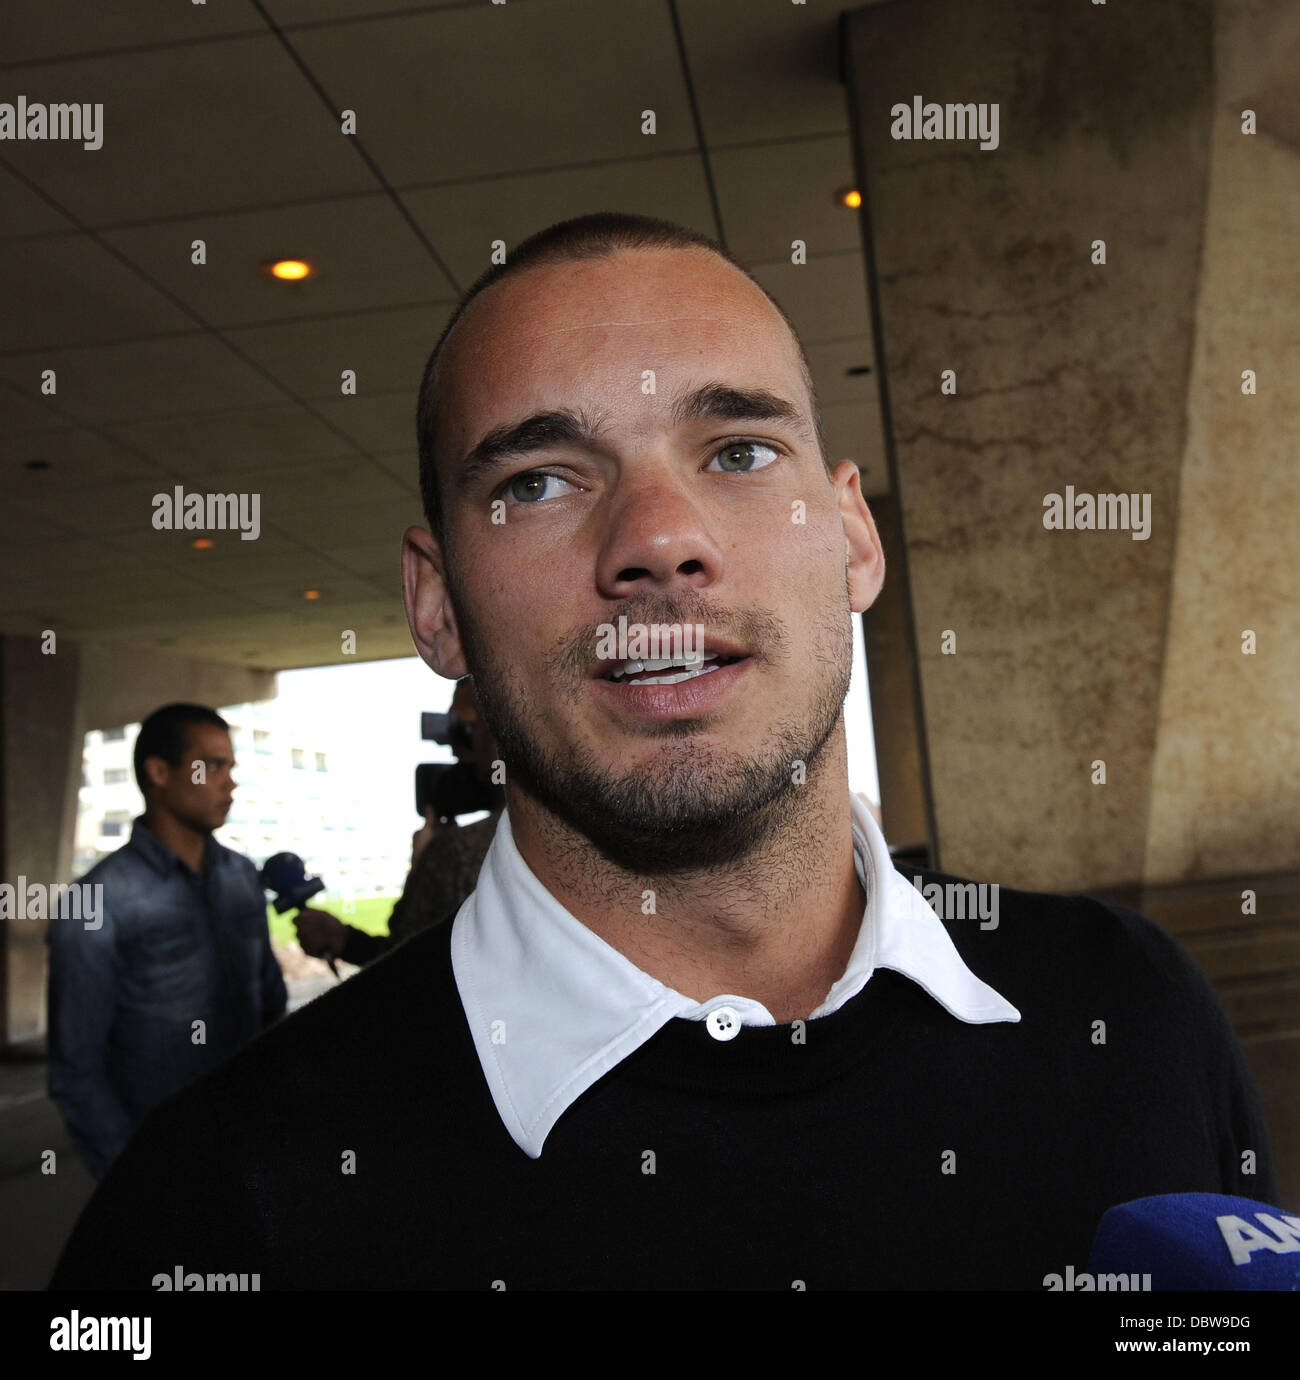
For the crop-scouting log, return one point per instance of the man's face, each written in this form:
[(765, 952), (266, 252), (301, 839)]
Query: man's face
[(201, 805), (669, 474)]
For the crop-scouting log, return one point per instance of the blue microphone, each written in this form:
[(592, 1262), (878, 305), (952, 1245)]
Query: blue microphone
[(286, 875), (1200, 1241)]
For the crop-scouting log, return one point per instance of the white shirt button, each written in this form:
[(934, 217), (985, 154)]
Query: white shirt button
[(723, 1023)]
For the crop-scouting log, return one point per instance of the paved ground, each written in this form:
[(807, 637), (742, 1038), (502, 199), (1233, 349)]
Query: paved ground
[(38, 1210)]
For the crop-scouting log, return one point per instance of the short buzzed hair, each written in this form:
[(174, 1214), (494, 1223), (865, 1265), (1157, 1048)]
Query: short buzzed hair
[(584, 237)]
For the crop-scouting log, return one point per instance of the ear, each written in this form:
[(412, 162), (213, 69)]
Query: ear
[(864, 559), (156, 771), (429, 611)]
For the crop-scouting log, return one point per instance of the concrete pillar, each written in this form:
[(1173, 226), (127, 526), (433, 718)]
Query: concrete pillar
[(40, 774), (1175, 659), (1040, 651)]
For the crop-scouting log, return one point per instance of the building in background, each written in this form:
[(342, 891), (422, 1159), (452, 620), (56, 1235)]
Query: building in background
[(295, 792)]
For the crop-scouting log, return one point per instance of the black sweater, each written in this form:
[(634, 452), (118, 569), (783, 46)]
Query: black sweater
[(356, 1145)]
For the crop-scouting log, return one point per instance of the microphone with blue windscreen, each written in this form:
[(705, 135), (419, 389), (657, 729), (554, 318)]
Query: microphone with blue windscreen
[(1199, 1241), (286, 875)]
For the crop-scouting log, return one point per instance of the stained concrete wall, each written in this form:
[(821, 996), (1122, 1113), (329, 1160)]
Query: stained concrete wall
[(1073, 647), (40, 772), (1225, 795)]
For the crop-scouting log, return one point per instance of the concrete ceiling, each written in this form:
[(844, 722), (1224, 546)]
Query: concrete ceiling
[(476, 122)]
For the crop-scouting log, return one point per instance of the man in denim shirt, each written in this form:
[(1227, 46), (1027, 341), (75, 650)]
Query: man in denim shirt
[(179, 972)]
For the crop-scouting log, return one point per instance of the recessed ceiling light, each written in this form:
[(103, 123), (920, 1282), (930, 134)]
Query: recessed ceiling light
[(201, 543), (289, 270), (311, 594), (850, 197)]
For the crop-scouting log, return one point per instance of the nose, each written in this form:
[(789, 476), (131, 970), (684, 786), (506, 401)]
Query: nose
[(657, 535)]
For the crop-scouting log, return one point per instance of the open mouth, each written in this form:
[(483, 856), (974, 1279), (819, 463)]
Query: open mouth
[(668, 671)]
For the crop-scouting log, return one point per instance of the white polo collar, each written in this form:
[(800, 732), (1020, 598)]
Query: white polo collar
[(552, 1007)]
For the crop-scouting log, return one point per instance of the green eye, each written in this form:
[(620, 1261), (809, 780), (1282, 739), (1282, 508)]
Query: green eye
[(738, 457), (530, 487)]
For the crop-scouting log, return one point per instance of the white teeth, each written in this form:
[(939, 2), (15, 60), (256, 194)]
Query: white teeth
[(692, 666), (672, 680)]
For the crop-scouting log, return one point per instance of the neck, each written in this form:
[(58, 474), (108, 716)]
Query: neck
[(777, 925), (188, 844)]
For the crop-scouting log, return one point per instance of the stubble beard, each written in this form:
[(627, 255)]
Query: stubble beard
[(693, 806)]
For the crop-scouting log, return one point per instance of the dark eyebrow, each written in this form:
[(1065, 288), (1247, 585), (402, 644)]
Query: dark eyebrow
[(721, 402), (712, 402), (538, 432)]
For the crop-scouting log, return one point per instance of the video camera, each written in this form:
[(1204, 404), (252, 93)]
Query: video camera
[(451, 789)]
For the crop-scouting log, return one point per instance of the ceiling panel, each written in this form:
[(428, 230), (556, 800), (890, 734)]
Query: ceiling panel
[(491, 122), (292, 494), (276, 551), (61, 588), (853, 432), (772, 194), (830, 364), (25, 409), (334, 585), (309, 636), (123, 506), (379, 561), (469, 91), (765, 71), (206, 448), (146, 378), (826, 298), (157, 609), (242, 128), (376, 422), (362, 524), (403, 463), (387, 350), (36, 32), (464, 218), (29, 525), (365, 254), (24, 212), (70, 290), (72, 456), (287, 12)]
